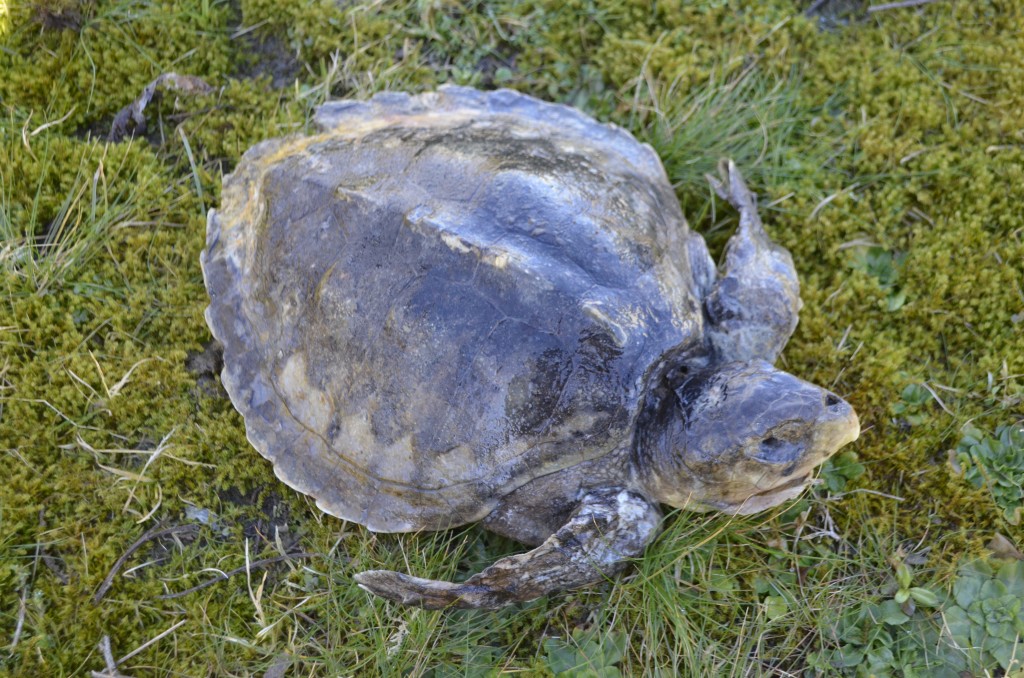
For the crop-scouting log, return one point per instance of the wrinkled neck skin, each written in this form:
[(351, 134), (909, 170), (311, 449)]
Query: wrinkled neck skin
[(659, 427), (656, 469)]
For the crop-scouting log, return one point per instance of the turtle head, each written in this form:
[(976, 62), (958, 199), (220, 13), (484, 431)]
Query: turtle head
[(739, 438)]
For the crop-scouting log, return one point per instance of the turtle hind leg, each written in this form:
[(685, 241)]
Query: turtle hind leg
[(608, 528), (754, 304)]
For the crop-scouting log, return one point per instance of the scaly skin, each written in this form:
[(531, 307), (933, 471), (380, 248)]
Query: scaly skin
[(755, 302), (609, 527)]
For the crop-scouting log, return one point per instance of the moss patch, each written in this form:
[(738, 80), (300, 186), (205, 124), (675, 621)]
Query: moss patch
[(890, 158)]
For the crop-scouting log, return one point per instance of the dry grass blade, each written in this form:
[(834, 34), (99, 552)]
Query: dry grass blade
[(152, 456), (151, 641), (898, 5), (248, 567)]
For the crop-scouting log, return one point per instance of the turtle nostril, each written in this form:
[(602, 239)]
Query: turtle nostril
[(831, 399)]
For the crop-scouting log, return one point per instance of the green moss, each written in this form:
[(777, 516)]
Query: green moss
[(89, 74), (889, 156)]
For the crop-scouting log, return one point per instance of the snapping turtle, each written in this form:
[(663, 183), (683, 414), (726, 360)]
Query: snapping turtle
[(476, 306)]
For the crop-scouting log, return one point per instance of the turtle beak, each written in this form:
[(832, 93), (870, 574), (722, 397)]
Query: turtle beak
[(838, 426), (769, 498)]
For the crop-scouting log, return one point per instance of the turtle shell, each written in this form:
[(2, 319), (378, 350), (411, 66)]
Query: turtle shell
[(439, 298)]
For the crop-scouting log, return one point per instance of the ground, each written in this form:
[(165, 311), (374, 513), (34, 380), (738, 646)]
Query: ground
[(888, 150)]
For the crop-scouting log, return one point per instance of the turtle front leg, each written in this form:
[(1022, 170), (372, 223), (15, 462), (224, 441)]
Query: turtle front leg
[(609, 527), (754, 304)]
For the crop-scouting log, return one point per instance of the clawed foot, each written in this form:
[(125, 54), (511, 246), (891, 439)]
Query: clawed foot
[(609, 526), (753, 307), (732, 188), (427, 593)]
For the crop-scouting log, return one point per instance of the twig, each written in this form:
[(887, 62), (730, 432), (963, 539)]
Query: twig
[(834, 497), (898, 5), (21, 618), (108, 658), (153, 533), (132, 114), (108, 655), (815, 6), (52, 564), (244, 568)]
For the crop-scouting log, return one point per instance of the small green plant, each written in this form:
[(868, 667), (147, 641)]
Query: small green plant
[(868, 637), (884, 265), (996, 462), (840, 470), (987, 618), (586, 655), (912, 406), (906, 592), (979, 627), (882, 638)]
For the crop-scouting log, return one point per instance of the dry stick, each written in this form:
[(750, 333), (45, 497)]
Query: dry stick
[(153, 533), (108, 658), (21, 619), (898, 5), (224, 575), (188, 85)]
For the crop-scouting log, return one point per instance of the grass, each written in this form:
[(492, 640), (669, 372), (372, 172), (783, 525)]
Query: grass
[(888, 155), (48, 242), (738, 114)]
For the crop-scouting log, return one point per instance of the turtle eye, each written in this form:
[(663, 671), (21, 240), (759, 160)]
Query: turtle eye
[(777, 451)]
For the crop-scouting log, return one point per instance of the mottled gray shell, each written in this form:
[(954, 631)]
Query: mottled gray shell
[(441, 297)]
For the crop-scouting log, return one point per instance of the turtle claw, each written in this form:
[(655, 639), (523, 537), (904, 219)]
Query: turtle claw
[(409, 590), (489, 590), (732, 188)]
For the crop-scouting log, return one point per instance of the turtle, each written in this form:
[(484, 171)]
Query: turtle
[(476, 306)]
